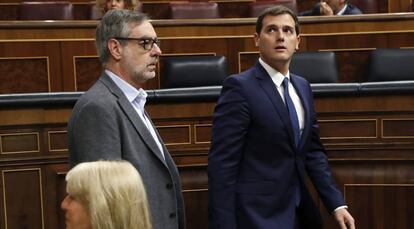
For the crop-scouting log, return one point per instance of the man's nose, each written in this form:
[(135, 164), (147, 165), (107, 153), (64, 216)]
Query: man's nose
[(156, 50), (280, 36)]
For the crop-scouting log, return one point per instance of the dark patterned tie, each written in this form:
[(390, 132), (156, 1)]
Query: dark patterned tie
[(292, 111)]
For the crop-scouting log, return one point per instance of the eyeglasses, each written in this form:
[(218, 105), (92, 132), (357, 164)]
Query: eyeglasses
[(146, 42)]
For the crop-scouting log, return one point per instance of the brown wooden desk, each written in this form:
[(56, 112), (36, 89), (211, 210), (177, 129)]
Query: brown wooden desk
[(369, 137), (61, 56), (369, 140)]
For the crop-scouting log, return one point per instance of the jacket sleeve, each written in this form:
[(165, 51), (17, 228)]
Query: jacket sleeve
[(318, 168), (93, 134), (230, 123)]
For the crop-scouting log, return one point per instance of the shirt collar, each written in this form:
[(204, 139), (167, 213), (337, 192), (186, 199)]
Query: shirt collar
[(276, 76), (130, 92), (342, 11)]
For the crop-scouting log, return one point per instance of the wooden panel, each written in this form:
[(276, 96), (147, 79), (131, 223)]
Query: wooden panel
[(383, 6), (247, 60), (23, 206), (15, 78), (234, 9), (352, 64), (398, 128), (195, 193), (87, 71), (401, 40), (30, 66), (156, 10), (17, 143), (82, 10), (384, 201), (75, 57), (57, 141), (55, 190), (71, 51), (363, 178), (61, 194), (175, 134), (340, 129), (352, 56), (196, 203), (202, 133), (396, 104), (193, 46), (399, 5), (9, 11), (346, 41)]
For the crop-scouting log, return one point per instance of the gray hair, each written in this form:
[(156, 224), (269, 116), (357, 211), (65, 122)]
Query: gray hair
[(115, 23)]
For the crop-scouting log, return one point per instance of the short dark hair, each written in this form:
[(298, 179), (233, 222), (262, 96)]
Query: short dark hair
[(274, 11)]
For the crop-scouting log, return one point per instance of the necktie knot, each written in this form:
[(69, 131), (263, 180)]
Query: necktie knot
[(286, 83)]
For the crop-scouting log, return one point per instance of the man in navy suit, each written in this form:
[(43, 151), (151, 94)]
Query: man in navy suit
[(265, 138), (332, 7)]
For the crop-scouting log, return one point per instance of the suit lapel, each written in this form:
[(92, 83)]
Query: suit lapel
[(132, 115), (270, 89)]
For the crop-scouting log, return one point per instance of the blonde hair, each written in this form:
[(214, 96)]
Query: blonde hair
[(112, 193), (129, 5)]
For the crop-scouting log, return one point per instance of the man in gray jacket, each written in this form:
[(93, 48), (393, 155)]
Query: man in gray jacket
[(109, 121)]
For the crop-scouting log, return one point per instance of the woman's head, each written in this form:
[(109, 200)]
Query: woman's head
[(105, 195), (106, 5)]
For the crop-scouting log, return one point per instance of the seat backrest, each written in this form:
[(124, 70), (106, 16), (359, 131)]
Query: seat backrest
[(366, 6), (46, 11), (193, 10), (193, 71), (391, 65), (94, 13), (316, 67), (256, 8)]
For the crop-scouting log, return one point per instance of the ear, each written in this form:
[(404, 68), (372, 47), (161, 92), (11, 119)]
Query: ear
[(256, 39), (115, 48), (297, 43)]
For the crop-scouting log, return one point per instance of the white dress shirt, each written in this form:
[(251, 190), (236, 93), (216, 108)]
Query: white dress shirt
[(342, 11), (137, 98), (277, 79)]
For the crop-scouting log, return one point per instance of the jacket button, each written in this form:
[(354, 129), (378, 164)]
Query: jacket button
[(172, 215), (169, 186)]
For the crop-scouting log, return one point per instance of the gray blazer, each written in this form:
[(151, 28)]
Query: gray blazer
[(105, 126)]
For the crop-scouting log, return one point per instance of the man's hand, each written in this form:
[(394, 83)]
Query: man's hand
[(344, 219), (325, 9)]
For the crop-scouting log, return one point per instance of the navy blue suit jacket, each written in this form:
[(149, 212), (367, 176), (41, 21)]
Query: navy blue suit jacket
[(350, 10), (254, 167)]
